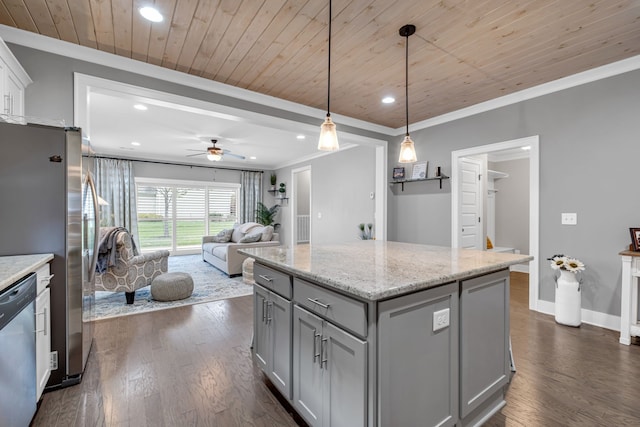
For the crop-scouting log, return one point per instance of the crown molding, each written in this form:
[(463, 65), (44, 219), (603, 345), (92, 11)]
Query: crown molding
[(71, 50)]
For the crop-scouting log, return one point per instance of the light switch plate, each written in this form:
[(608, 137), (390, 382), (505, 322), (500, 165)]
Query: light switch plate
[(440, 319), (569, 219)]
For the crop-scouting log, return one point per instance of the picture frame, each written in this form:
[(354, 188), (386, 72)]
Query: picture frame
[(419, 170), (635, 238), (398, 173)]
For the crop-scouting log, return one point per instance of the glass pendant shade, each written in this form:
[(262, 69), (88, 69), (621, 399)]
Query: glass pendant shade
[(328, 136), (214, 157), (407, 151)]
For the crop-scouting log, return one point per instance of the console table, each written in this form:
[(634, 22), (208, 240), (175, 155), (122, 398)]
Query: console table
[(629, 296)]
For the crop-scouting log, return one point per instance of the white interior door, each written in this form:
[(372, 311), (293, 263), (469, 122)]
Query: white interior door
[(470, 204)]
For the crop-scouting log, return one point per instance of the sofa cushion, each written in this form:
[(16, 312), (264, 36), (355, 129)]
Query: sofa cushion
[(224, 236), (220, 252), (210, 247), (252, 238), (248, 226), (267, 233)]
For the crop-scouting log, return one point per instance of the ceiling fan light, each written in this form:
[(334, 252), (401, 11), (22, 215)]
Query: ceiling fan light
[(214, 157), (407, 151), (328, 136)]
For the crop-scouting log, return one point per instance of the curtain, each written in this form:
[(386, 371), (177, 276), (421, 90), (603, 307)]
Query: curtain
[(116, 186), (250, 195)]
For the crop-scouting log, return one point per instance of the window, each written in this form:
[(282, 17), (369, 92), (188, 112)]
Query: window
[(174, 215)]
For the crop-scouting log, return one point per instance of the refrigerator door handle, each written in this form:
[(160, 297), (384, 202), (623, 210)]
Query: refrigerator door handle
[(94, 197)]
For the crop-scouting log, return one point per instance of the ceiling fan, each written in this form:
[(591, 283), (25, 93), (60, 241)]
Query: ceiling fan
[(215, 154)]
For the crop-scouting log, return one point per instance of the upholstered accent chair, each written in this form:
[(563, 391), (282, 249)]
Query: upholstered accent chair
[(130, 272)]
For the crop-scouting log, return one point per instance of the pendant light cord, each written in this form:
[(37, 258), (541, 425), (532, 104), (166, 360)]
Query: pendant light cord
[(406, 83), (329, 67)]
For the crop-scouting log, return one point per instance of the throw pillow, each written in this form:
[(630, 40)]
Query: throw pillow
[(251, 238), (224, 236), (267, 233), (247, 226)]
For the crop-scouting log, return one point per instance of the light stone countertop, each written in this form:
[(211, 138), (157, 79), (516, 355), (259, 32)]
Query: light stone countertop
[(375, 270), (15, 267)]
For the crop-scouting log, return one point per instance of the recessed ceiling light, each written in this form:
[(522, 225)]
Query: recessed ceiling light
[(136, 143), (528, 147), (140, 107), (252, 157), (300, 137), (151, 14), (388, 100)]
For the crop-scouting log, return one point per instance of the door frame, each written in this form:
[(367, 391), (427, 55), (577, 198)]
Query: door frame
[(534, 201), (294, 204)]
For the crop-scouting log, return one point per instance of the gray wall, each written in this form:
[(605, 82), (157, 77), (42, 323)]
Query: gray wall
[(589, 154), (340, 187), (512, 204), (51, 93)]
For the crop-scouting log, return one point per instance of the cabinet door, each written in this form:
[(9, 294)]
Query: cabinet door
[(307, 373), (260, 327), (344, 388), (484, 341), (43, 340), (418, 359), (279, 363), (15, 93)]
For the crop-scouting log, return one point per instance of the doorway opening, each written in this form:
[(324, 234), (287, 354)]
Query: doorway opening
[(458, 192), (301, 203)]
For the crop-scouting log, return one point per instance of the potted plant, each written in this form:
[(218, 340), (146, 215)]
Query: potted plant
[(273, 179), (282, 190), (366, 232), (568, 303), (267, 216)]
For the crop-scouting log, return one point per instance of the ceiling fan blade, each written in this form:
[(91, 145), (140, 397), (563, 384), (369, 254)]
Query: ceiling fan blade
[(193, 155), (238, 156), (190, 149)]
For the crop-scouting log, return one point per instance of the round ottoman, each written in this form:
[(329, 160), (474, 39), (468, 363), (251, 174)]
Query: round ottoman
[(247, 271), (172, 286)]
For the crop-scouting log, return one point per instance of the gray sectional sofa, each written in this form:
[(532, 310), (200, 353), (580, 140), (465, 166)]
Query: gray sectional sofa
[(221, 250)]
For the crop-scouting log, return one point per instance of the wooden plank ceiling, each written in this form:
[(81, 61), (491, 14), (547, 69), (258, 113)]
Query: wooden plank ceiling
[(464, 51)]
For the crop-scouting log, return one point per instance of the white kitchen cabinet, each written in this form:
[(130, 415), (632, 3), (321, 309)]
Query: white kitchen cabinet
[(43, 329), (329, 372), (272, 337), (13, 81)]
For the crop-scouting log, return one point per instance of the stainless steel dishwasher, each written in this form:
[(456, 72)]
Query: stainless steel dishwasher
[(18, 353)]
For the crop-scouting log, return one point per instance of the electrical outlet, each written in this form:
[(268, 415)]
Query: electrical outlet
[(53, 360), (569, 219), (440, 319)]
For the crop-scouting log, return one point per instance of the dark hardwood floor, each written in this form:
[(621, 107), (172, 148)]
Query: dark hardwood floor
[(192, 366)]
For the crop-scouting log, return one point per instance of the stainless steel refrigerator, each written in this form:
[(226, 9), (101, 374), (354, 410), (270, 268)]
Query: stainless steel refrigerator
[(49, 205)]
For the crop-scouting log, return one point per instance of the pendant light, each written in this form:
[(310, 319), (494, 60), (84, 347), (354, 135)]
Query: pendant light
[(407, 149), (328, 136)]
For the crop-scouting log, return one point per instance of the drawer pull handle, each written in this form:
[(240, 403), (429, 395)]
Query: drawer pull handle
[(315, 301), (46, 278), (267, 278), (264, 311)]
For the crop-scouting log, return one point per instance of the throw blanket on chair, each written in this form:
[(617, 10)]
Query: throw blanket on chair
[(107, 247)]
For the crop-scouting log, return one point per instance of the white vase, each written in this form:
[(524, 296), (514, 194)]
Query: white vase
[(568, 299)]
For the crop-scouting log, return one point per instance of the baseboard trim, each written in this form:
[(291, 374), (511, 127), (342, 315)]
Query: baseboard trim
[(595, 318)]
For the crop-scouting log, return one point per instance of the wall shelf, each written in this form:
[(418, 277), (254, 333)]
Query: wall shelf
[(434, 178)]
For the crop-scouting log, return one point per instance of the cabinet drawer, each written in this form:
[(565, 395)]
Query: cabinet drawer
[(276, 281), (43, 276), (339, 309)]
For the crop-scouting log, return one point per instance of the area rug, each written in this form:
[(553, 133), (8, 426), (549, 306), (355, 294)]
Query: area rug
[(209, 284)]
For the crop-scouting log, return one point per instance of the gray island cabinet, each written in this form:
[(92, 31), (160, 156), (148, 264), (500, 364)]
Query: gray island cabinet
[(376, 333)]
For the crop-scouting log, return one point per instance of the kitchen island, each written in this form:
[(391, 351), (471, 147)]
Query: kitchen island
[(376, 333)]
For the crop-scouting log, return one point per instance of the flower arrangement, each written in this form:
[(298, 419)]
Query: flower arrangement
[(562, 262), (366, 232)]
